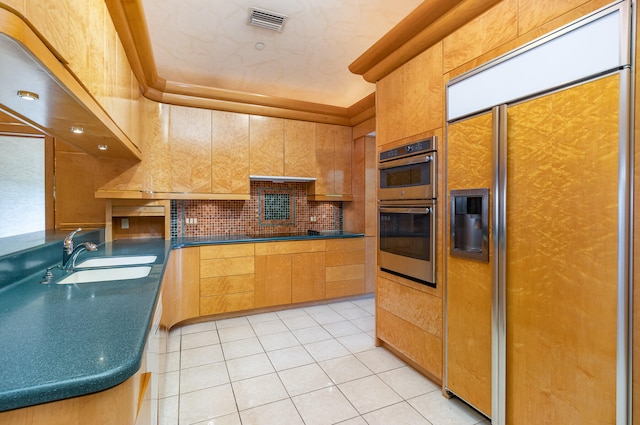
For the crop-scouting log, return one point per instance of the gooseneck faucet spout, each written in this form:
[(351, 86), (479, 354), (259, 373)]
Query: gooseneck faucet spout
[(67, 246), (70, 264)]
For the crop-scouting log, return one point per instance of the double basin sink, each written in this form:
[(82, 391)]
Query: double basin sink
[(102, 269)]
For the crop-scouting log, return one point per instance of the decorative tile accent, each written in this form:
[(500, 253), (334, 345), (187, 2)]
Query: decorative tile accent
[(208, 218), (276, 207)]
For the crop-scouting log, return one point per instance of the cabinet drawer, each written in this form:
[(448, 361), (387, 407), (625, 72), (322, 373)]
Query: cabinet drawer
[(226, 285), (344, 258), (344, 288), (349, 244), (417, 307), (226, 266), (290, 247), (349, 272), (226, 303), (420, 346), (226, 251)]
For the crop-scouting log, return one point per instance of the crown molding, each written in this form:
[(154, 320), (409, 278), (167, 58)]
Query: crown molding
[(427, 25)]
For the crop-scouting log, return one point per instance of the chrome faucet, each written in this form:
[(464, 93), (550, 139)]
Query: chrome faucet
[(71, 260), (69, 253)]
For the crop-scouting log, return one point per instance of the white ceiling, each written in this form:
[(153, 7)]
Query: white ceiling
[(208, 42)]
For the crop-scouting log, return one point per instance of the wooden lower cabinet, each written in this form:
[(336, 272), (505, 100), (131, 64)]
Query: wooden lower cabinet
[(226, 278), (410, 320), (273, 280), (122, 405), (181, 286), (345, 270), (307, 277)]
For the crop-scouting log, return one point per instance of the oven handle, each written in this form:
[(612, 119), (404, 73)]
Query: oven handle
[(405, 210), (418, 159)]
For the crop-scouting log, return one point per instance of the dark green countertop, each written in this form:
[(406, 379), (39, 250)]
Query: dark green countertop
[(62, 341)]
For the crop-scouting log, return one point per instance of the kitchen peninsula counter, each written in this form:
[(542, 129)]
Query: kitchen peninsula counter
[(64, 341)]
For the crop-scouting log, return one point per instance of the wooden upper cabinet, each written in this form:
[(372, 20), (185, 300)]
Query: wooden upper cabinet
[(190, 147), (333, 148), (299, 149), (266, 144), (229, 153), (410, 99)]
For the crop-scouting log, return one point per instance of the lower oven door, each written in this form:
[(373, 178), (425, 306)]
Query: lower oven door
[(406, 242)]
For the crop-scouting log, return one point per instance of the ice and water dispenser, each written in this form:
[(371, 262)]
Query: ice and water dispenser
[(470, 224)]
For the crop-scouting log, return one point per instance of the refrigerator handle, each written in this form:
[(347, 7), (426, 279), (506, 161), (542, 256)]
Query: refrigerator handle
[(498, 236)]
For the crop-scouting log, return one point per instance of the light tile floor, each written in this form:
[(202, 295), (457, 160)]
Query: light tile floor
[(306, 366)]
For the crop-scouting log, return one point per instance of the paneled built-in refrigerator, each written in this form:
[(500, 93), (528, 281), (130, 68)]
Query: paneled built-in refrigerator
[(537, 330)]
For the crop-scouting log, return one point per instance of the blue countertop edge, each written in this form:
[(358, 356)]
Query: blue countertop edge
[(31, 295)]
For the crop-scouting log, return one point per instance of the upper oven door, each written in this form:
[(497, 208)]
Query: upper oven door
[(408, 178)]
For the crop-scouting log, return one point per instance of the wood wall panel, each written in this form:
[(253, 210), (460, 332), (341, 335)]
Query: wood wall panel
[(415, 343), (299, 148), (488, 31), (371, 263), (190, 141), (535, 13), (266, 138), (636, 258), (562, 256), (230, 145)]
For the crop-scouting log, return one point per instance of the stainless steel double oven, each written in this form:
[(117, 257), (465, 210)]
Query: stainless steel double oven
[(406, 211)]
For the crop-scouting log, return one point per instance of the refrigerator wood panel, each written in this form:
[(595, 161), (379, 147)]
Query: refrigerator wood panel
[(561, 251), (469, 282)]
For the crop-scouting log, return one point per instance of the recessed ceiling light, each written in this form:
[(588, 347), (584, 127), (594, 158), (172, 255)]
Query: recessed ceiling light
[(103, 147), (259, 45), (77, 130), (27, 95)]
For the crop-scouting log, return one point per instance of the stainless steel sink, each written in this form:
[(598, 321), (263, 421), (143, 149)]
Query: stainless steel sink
[(116, 261), (104, 275)]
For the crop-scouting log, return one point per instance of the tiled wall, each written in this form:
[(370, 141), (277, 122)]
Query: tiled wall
[(273, 208)]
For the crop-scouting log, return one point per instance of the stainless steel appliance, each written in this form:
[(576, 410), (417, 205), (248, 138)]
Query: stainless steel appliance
[(407, 213), (406, 241), (408, 172)]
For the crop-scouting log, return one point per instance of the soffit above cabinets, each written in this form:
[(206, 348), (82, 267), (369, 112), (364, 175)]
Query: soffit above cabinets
[(27, 64), (209, 43)]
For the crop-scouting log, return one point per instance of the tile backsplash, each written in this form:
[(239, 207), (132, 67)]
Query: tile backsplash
[(273, 208)]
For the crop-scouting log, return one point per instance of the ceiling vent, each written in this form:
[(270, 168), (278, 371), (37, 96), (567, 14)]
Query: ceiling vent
[(267, 19)]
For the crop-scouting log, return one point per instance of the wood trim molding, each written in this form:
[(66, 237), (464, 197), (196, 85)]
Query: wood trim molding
[(428, 24)]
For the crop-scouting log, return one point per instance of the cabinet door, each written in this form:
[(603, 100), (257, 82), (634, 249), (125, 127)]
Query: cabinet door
[(299, 148), (307, 277), (229, 153), (325, 151), (190, 149), (266, 136), (343, 149), (273, 280)]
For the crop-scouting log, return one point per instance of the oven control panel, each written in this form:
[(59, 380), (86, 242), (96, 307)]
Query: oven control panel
[(425, 145)]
